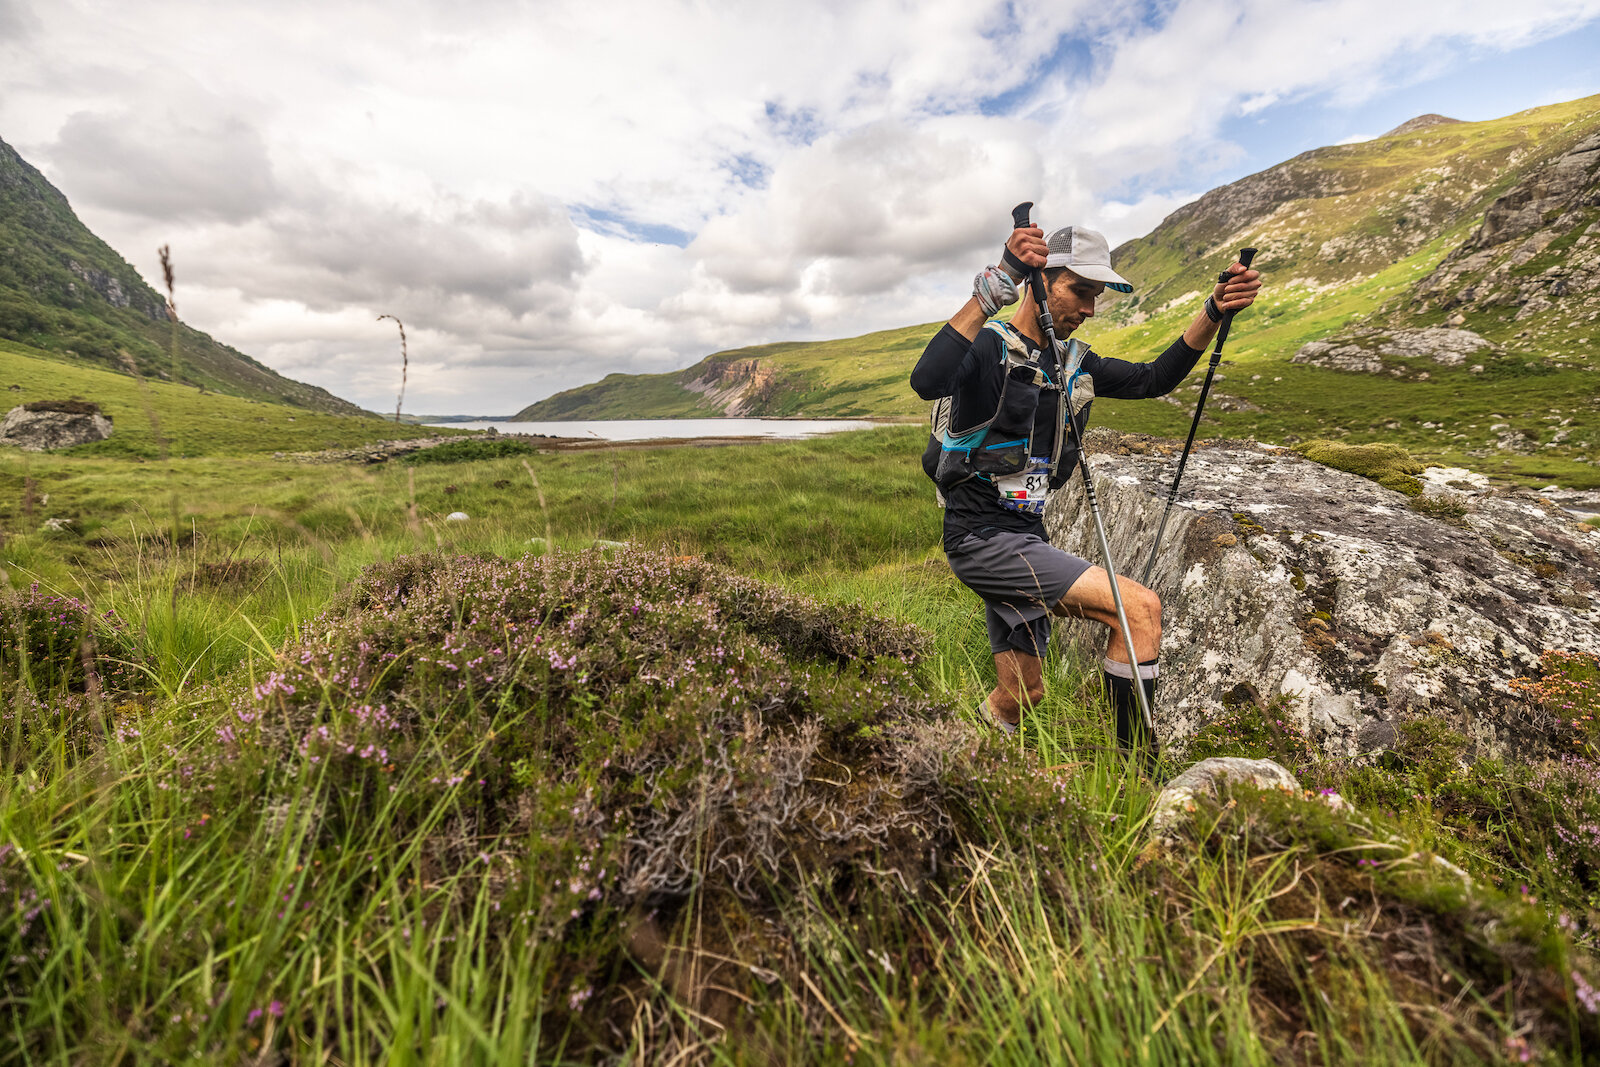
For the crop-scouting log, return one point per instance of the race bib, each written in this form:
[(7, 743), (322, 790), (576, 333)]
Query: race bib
[(1026, 492)]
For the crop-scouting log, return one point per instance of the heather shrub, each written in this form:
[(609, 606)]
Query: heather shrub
[(59, 643), (671, 724), (1568, 688), (64, 407)]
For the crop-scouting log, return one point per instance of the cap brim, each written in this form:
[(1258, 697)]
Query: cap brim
[(1095, 273)]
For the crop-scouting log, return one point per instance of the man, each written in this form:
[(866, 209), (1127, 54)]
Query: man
[(994, 535)]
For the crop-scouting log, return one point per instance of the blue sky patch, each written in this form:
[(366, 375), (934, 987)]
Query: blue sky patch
[(604, 220)]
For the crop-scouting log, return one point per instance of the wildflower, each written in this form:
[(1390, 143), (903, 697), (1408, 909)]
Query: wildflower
[(1587, 994)]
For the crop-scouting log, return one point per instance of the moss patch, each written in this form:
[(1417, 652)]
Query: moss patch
[(1391, 466)]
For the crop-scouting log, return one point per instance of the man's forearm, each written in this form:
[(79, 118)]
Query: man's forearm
[(970, 319)]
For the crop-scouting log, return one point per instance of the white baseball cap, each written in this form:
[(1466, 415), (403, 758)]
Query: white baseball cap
[(1086, 254)]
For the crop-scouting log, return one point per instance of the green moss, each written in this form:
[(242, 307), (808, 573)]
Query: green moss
[(1391, 466)]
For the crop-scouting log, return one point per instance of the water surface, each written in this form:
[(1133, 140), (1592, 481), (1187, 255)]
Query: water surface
[(653, 429)]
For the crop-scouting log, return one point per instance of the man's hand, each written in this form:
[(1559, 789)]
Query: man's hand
[(1025, 250), (1239, 291)]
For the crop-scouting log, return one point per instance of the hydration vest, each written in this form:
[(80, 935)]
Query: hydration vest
[(999, 450)]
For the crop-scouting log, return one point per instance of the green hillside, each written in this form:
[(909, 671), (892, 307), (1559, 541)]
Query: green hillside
[(852, 377), (1480, 226), (193, 423), (65, 291)]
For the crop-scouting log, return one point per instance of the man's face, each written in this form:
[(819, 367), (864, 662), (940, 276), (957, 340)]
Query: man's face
[(1072, 300)]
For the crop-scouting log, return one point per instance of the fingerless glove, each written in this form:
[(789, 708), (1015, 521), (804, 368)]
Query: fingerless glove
[(994, 289)]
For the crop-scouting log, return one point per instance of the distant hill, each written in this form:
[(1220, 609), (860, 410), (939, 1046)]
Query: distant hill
[(191, 424), (65, 291), (856, 376), (1438, 286)]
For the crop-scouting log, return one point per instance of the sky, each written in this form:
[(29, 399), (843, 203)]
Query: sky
[(546, 193)]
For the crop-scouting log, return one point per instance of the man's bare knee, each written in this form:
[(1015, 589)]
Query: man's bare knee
[(1150, 609)]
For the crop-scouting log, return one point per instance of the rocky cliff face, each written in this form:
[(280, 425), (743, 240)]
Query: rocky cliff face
[(737, 386), (1281, 576)]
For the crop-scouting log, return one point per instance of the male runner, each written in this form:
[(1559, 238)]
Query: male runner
[(994, 535)]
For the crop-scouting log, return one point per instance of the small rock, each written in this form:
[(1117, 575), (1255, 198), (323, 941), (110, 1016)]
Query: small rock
[(456, 516), (1210, 776), (57, 525)]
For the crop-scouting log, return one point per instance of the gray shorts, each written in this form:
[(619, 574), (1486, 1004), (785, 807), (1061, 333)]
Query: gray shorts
[(1020, 578)]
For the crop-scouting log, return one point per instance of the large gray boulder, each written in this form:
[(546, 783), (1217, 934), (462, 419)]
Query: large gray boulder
[(1282, 576), (46, 426)]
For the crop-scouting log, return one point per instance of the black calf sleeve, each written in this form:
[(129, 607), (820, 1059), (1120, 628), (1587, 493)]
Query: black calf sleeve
[(1118, 679)]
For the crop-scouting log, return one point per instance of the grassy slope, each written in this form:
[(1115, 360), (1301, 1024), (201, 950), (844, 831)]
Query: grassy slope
[(64, 290), (194, 423), (1388, 212)]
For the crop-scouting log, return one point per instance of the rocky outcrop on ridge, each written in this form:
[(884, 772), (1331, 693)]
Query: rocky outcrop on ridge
[(1421, 122), (1281, 576), (1364, 351), (45, 426), (1548, 216)]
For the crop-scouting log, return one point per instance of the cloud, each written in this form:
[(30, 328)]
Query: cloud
[(166, 166), (547, 193), (16, 22)]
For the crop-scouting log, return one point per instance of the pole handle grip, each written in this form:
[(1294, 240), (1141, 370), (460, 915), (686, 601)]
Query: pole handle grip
[(1245, 256), (1019, 214)]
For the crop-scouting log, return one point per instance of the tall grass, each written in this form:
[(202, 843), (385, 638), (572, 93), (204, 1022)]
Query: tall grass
[(143, 923)]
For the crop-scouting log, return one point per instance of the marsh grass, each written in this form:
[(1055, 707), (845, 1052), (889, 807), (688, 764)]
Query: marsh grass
[(156, 909)]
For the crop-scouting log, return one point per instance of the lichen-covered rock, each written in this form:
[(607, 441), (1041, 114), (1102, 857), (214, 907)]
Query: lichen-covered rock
[(1366, 351), (47, 430), (1293, 578)]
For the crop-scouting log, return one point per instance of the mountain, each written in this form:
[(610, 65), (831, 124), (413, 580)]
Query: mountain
[(65, 291), (1438, 287)]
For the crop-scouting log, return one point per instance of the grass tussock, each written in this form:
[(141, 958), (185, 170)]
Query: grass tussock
[(470, 450), (64, 407)]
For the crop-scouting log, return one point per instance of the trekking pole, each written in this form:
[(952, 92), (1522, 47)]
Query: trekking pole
[(1245, 256), (1019, 219)]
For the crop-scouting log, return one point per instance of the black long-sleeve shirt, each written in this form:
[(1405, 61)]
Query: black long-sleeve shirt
[(970, 373)]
